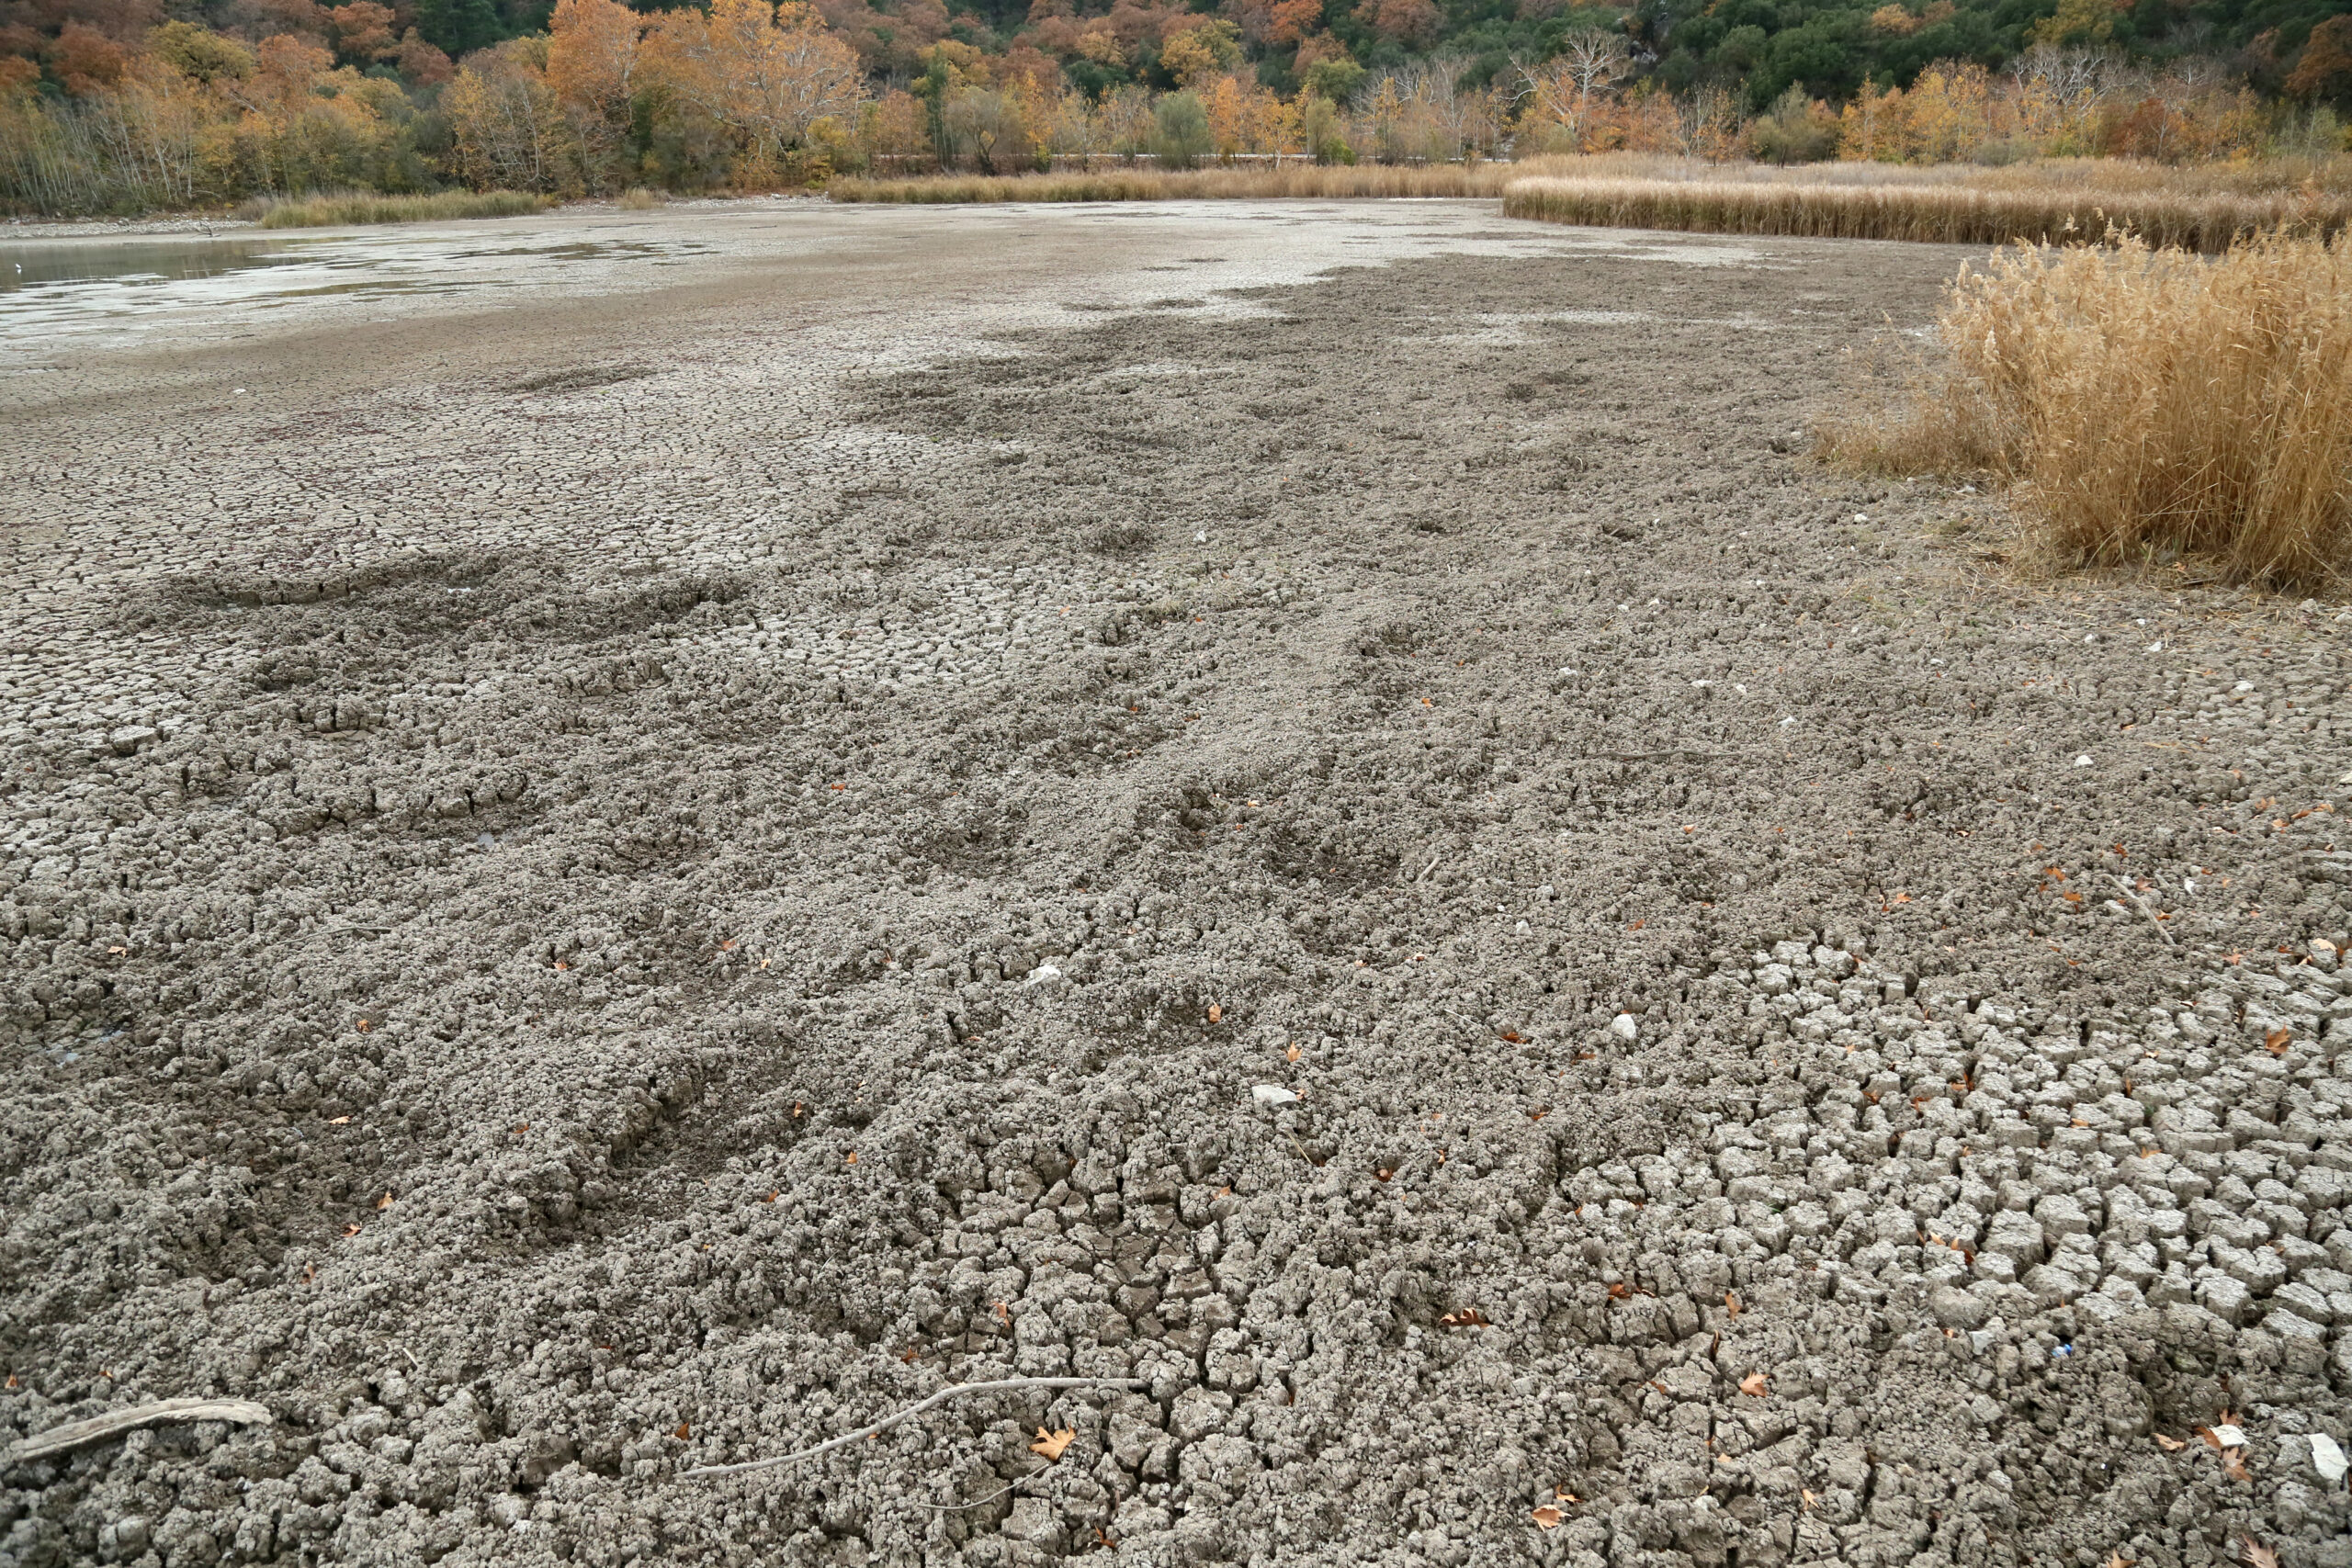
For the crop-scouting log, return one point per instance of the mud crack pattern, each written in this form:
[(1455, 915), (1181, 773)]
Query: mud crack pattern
[(1799, 1048)]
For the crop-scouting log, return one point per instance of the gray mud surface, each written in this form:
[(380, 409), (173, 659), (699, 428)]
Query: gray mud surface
[(610, 880)]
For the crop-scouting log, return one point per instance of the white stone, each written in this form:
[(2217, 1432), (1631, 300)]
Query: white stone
[(1271, 1094), (1623, 1027), (2327, 1458)]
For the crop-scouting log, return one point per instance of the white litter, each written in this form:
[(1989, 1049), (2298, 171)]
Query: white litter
[(1271, 1094), (2327, 1458), (1042, 974), (2082, 761), (2229, 1436)]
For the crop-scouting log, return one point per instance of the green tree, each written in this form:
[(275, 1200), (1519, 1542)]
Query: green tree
[(1180, 131)]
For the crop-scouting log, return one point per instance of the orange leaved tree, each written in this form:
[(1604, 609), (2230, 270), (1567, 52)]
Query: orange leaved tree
[(592, 59), (762, 73)]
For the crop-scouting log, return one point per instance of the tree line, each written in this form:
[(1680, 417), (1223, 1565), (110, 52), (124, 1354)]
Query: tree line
[(113, 109)]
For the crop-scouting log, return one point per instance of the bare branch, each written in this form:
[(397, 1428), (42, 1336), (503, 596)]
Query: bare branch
[(115, 1423)]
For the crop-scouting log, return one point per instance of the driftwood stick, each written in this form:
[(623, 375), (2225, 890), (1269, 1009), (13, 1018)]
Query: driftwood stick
[(115, 1423), (2142, 905), (955, 1392)]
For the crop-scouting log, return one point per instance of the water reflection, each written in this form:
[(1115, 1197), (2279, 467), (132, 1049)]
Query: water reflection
[(134, 262), (73, 287)]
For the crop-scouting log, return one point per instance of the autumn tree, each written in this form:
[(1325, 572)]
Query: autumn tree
[(511, 133), (1413, 23), (2325, 68), (763, 74), (1201, 52), (593, 55)]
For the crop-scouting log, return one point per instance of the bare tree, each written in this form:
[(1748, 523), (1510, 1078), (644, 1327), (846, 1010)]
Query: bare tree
[(1595, 59)]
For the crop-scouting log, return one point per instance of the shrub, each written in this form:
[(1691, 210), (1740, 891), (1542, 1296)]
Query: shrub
[(2148, 401)]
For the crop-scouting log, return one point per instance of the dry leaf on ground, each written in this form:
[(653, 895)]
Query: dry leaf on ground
[(1548, 1517), (1051, 1444), (2257, 1554), (2170, 1445), (1753, 1384)]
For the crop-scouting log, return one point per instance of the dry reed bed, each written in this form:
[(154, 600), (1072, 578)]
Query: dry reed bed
[(1945, 214), (1296, 180), (336, 209), (2148, 402)]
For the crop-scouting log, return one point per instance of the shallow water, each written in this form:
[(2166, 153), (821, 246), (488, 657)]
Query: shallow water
[(134, 263), (121, 287)]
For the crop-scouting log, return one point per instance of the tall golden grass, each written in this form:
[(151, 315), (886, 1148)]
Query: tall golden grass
[(2148, 401), (1948, 213), (1289, 180), (336, 209)]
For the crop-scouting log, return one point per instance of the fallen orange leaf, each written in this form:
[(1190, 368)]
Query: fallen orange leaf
[(2170, 1445), (339, 1121), (1548, 1517), (1731, 1302), (851, 1159), (681, 1431), (385, 1202), (1291, 1055), (2259, 1555), (2277, 1041), (1753, 1384), (2234, 1464), (1217, 1013), (1051, 1444), (351, 1230)]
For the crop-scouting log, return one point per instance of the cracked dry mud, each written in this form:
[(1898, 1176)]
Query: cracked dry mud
[(557, 935)]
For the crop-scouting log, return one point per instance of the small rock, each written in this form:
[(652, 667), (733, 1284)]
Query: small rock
[(1271, 1094), (2327, 1458), (1623, 1027)]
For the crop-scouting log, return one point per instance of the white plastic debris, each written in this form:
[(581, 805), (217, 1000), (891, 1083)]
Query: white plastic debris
[(2082, 761), (2156, 646), (2327, 1458), (1623, 1027), (1043, 974), (1271, 1094), (2229, 1436)]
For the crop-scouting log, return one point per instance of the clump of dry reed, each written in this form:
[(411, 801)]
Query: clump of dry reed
[(1954, 213), (335, 210), (2148, 401), (1289, 180)]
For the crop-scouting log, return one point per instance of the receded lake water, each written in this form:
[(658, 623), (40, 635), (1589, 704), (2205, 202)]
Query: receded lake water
[(68, 288)]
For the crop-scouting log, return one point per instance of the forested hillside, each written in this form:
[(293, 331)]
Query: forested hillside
[(124, 105), (1761, 47)]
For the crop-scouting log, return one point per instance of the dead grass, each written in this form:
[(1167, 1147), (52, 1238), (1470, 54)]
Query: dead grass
[(1946, 213), (337, 209), (2210, 195), (2147, 402), (1290, 180)]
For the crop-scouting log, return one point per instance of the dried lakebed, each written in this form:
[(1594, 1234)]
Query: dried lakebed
[(633, 878)]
